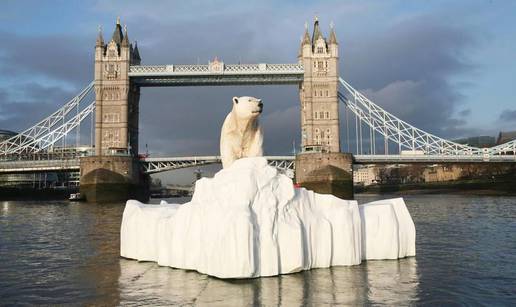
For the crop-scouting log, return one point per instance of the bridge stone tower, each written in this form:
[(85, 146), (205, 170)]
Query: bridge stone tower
[(318, 92), (114, 173), (117, 102), (321, 166)]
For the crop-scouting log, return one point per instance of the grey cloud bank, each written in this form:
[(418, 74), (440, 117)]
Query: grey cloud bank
[(405, 68), (508, 116)]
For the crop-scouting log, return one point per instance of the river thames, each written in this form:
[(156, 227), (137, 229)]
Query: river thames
[(68, 253)]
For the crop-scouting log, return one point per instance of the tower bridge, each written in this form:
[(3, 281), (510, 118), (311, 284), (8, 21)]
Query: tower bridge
[(119, 75)]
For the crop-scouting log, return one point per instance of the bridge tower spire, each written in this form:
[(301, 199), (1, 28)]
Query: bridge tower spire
[(318, 92)]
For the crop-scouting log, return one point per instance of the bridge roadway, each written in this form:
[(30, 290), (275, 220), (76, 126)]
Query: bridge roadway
[(151, 165), (162, 164)]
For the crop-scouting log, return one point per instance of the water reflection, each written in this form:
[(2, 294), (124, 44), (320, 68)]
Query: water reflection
[(382, 282), (63, 253), (5, 208)]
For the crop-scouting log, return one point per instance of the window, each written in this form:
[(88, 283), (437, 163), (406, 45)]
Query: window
[(111, 118), (320, 93), (315, 93), (315, 115), (326, 93), (320, 50), (321, 115), (327, 114), (320, 65), (111, 71)]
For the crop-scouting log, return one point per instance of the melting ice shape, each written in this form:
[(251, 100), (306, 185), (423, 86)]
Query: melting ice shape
[(249, 221)]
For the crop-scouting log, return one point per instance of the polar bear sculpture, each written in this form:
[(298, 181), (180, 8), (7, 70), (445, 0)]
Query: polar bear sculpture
[(241, 135)]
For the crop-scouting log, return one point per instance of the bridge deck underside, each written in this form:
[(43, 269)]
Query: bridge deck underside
[(215, 80), (65, 165), (439, 159)]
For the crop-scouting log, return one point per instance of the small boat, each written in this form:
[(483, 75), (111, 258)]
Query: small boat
[(76, 197)]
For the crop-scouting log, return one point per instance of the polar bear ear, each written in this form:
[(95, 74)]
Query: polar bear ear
[(235, 100)]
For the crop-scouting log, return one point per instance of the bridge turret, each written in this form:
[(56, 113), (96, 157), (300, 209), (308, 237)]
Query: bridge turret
[(318, 92), (117, 33), (136, 60), (306, 45), (100, 39), (125, 40), (333, 45), (317, 35)]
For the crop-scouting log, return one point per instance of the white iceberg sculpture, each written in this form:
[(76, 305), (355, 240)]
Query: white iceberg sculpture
[(250, 221)]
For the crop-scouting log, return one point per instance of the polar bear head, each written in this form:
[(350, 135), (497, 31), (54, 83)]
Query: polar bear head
[(246, 107)]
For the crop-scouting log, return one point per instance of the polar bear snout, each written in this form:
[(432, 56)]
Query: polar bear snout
[(260, 107), (247, 107)]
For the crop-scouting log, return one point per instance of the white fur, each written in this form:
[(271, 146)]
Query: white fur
[(241, 135)]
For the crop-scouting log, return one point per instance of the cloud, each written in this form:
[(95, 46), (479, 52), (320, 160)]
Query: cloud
[(464, 113), (508, 115), (28, 103), (56, 57), (405, 68)]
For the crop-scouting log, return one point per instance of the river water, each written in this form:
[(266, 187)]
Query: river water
[(68, 253)]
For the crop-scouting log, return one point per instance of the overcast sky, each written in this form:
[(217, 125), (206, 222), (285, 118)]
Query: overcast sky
[(447, 67)]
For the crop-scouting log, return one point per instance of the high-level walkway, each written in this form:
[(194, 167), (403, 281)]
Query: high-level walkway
[(202, 75)]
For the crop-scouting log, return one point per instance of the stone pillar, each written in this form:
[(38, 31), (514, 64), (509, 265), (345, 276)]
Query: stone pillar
[(326, 173), (112, 179)]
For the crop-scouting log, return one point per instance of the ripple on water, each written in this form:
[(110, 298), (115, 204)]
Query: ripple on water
[(61, 252)]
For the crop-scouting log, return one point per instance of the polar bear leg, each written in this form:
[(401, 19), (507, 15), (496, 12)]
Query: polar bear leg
[(227, 156), (227, 140), (256, 148), (228, 149)]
